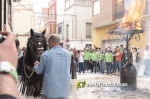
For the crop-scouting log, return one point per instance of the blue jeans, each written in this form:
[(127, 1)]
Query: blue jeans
[(119, 65), (147, 67), (95, 66), (114, 67), (81, 67), (108, 67), (102, 66)]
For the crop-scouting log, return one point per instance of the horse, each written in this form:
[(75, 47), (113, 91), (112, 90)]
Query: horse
[(31, 83)]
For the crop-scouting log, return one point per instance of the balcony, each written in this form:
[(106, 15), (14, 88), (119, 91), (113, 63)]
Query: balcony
[(120, 9)]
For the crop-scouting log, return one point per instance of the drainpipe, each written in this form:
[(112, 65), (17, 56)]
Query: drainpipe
[(75, 26), (0, 15)]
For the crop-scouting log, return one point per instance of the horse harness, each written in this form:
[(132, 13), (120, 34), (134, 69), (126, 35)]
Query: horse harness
[(35, 53)]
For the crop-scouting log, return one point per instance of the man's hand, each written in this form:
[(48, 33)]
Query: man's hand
[(36, 62), (8, 50)]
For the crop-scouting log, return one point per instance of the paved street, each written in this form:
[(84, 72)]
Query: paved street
[(142, 92)]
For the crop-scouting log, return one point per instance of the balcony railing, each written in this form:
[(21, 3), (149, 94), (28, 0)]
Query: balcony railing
[(120, 9)]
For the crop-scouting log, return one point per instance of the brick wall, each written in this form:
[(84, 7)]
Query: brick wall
[(106, 12)]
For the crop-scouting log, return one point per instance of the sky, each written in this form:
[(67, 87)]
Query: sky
[(39, 4)]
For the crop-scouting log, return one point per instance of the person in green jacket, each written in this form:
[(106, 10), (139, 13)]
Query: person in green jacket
[(86, 58), (109, 60), (95, 59)]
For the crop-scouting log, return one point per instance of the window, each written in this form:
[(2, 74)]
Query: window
[(67, 3), (53, 12), (96, 7), (71, 2), (88, 31), (59, 29)]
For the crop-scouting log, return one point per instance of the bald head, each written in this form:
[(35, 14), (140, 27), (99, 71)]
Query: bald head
[(54, 38), (53, 41)]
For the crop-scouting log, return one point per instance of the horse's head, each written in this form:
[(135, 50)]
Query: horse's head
[(37, 44)]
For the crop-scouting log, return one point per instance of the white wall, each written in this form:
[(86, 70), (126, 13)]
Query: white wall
[(82, 15), (77, 19), (23, 17), (78, 44), (68, 19), (60, 10), (23, 41), (23, 22), (60, 18)]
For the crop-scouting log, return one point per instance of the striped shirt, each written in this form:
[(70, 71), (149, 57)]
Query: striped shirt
[(55, 66)]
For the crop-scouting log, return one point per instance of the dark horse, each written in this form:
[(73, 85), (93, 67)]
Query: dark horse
[(31, 83)]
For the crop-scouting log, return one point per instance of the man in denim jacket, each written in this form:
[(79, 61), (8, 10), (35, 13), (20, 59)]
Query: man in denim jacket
[(55, 66)]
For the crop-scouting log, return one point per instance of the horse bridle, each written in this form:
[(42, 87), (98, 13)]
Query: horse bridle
[(35, 55)]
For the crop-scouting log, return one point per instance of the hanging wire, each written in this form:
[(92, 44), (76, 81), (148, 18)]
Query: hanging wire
[(25, 7), (30, 4)]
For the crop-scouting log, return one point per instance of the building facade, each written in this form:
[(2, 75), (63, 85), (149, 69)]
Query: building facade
[(39, 20), (105, 16), (23, 20), (77, 24), (60, 7), (50, 23)]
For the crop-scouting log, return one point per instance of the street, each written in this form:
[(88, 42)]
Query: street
[(103, 92)]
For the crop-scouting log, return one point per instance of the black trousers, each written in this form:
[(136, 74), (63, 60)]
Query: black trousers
[(91, 65), (86, 65)]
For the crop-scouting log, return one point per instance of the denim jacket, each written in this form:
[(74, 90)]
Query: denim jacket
[(55, 66)]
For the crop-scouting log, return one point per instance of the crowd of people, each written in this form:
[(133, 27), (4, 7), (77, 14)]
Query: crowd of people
[(108, 61)]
